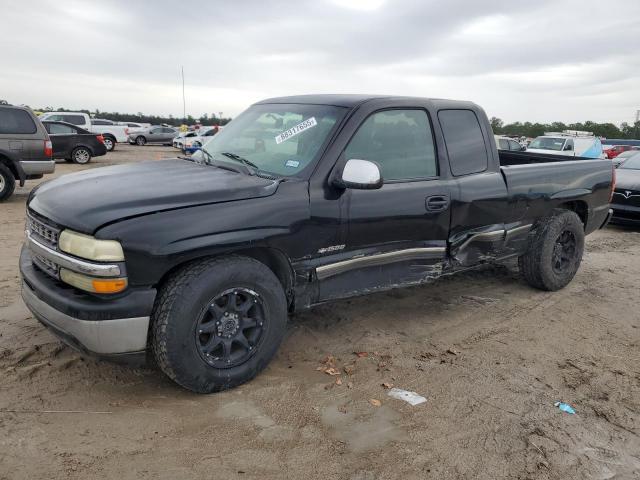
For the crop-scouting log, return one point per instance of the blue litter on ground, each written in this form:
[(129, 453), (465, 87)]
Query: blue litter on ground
[(565, 407)]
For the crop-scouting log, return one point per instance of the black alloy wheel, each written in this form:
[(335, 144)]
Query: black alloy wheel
[(231, 328)]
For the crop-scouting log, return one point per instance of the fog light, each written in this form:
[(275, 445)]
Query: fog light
[(93, 284)]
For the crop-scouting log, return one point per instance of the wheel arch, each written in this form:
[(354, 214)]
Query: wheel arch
[(580, 207), (13, 167), (272, 258)]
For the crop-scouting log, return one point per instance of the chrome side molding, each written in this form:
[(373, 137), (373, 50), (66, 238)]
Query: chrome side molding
[(332, 269)]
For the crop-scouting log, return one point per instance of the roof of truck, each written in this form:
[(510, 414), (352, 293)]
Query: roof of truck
[(353, 100)]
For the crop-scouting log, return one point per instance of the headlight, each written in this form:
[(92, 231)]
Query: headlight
[(93, 284), (85, 246)]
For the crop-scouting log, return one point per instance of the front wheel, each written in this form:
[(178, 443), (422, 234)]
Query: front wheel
[(81, 155), (141, 140), (217, 323), (554, 252)]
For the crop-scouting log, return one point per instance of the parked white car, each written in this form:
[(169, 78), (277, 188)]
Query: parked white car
[(134, 126), (506, 143), (179, 141), (571, 143), (112, 132), (195, 143)]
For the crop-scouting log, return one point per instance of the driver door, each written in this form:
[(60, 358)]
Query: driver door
[(395, 235)]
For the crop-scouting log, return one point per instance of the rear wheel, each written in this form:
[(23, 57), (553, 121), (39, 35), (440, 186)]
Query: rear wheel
[(141, 140), (7, 182), (555, 251), (217, 323), (110, 143), (81, 155)]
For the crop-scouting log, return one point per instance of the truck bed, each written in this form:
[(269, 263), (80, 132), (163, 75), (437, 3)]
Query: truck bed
[(535, 181), (508, 158)]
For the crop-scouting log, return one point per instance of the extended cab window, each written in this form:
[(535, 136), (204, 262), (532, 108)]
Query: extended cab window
[(465, 142), (13, 120), (400, 141)]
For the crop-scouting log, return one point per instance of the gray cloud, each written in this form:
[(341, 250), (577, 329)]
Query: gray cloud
[(546, 60)]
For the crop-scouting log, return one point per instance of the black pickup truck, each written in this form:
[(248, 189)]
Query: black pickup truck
[(300, 200)]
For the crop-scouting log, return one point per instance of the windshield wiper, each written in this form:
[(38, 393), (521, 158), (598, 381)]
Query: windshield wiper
[(240, 159)]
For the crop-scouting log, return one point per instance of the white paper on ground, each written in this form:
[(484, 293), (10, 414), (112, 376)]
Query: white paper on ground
[(410, 397)]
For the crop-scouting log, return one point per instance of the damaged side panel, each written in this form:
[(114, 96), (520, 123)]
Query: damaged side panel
[(491, 243)]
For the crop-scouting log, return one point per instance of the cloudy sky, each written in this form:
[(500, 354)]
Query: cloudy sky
[(537, 60)]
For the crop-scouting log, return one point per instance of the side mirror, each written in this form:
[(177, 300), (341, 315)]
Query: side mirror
[(568, 148), (360, 174)]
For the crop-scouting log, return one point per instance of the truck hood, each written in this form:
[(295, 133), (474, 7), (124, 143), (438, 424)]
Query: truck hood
[(627, 179), (87, 200)]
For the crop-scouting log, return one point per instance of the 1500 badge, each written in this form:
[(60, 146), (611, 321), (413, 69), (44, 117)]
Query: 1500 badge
[(332, 248)]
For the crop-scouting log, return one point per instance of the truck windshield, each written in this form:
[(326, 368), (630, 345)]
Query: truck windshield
[(278, 138), (547, 143)]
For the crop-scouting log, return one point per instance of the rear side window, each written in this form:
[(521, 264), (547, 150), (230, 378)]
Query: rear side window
[(73, 119), (56, 128), (16, 121), (465, 142)]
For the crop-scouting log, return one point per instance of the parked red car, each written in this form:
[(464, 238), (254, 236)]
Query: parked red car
[(616, 150)]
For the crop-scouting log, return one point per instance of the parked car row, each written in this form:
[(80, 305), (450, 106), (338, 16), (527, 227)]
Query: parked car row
[(111, 131)]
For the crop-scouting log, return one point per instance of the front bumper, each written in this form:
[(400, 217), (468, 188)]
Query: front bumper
[(625, 214), (113, 326)]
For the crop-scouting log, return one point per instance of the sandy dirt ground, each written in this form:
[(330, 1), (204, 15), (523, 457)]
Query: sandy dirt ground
[(490, 354)]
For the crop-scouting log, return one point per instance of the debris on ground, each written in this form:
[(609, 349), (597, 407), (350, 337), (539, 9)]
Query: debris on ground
[(565, 407), (453, 351), (375, 402), (361, 354), (349, 369), (411, 398), (387, 385)]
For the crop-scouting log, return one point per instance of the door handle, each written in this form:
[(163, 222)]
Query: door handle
[(437, 203)]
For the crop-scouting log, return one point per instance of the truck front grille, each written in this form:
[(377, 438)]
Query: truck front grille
[(42, 231)]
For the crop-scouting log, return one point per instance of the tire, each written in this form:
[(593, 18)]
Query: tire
[(7, 182), (554, 253), (81, 155), (141, 140), (198, 296), (109, 142)]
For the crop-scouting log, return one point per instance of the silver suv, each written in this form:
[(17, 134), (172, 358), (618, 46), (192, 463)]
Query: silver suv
[(25, 149)]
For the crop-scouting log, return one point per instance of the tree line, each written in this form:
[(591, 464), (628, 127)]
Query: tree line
[(143, 118), (528, 129)]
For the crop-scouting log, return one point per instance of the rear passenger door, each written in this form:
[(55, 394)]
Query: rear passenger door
[(395, 235), (155, 135), (480, 205)]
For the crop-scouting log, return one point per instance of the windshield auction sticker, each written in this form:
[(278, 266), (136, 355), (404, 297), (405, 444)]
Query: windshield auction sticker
[(293, 131)]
